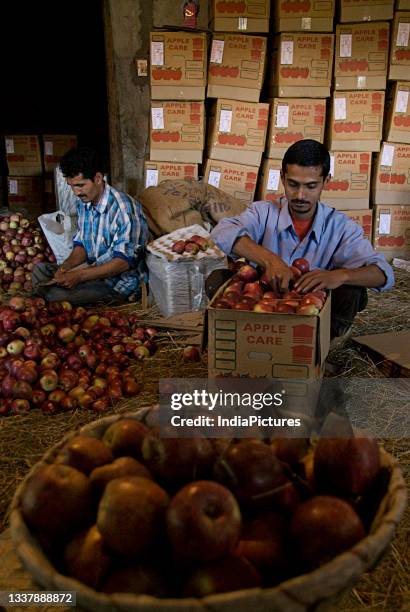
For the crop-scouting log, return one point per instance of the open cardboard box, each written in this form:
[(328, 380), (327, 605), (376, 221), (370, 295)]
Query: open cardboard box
[(267, 345)]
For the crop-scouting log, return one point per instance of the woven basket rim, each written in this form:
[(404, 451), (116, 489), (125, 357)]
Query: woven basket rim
[(356, 560)]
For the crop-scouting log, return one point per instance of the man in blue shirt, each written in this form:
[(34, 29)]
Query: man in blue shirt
[(274, 234), (111, 238)]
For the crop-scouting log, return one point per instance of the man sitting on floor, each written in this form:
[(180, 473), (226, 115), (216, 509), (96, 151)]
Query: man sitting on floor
[(111, 238), (274, 234)]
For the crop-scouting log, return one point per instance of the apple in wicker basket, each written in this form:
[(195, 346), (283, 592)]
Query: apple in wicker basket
[(129, 512)]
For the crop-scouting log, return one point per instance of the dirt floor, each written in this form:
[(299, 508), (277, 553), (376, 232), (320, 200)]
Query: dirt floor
[(23, 440)]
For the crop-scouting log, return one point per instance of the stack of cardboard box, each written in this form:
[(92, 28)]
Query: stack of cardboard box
[(391, 172), (238, 122), (299, 82), (30, 190), (177, 124)]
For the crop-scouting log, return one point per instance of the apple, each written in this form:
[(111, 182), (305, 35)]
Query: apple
[(38, 397), (346, 466), (308, 310), (301, 264), (22, 390), (191, 353), (15, 347), (235, 286), (17, 303), (247, 274), (285, 308), (50, 362), (27, 374), (84, 453), (19, 406), (244, 305), (144, 503), (262, 541), (48, 380), (264, 306), (322, 528), (253, 289), (123, 466), (68, 379), (290, 450), (309, 298), (141, 353), (86, 557), (178, 246), (203, 521), (125, 437), (66, 334)]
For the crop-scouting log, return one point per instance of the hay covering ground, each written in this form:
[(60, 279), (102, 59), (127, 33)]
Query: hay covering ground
[(24, 439)]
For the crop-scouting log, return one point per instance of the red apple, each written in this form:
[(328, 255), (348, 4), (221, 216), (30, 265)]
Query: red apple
[(203, 521), (191, 353), (264, 306), (20, 406), (301, 264), (247, 274), (308, 310), (285, 308)]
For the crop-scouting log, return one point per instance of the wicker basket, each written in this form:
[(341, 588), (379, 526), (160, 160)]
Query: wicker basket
[(312, 591)]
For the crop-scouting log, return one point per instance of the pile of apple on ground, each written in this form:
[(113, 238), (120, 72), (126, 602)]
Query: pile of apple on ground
[(139, 513), (250, 289), (57, 357)]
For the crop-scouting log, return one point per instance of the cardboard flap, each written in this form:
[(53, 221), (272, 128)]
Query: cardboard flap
[(394, 346)]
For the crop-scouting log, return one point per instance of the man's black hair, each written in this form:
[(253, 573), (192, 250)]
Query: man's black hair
[(307, 153), (81, 160)]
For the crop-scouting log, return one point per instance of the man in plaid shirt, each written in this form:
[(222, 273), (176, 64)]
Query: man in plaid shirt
[(111, 238)]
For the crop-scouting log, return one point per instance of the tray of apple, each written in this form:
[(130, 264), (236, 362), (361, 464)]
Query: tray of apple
[(134, 521), (250, 289)]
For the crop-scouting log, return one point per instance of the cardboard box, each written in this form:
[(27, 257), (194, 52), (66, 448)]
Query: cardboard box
[(349, 186), (236, 67), (25, 194), (156, 172), (365, 10), (267, 345), (391, 175), (302, 16), (397, 123), (236, 179), (361, 56), (270, 184), (239, 15), (291, 120), (171, 15), (23, 155), (54, 147), (400, 48), (177, 131), (402, 5), (392, 231), (178, 65), (302, 65), (364, 218), (356, 121), (389, 351), (237, 131)]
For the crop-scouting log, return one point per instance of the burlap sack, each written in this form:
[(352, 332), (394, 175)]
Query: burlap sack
[(176, 204)]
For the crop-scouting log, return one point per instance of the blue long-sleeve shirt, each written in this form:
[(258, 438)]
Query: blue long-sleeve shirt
[(334, 240)]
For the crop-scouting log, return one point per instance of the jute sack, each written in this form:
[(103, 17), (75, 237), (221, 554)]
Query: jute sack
[(173, 205)]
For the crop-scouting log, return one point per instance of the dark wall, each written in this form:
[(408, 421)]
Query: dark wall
[(53, 69)]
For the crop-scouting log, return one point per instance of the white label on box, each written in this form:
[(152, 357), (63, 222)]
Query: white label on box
[(286, 52), (273, 179), (402, 101), (157, 115), (157, 53), (361, 82), (13, 187), (345, 49), (242, 23), (403, 32), (332, 165), (9, 145), (306, 23), (387, 155), (217, 51), (282, 116), (151, 179), (225, 120), (214, 178), (48, 147), (340, 109), (384, 223)]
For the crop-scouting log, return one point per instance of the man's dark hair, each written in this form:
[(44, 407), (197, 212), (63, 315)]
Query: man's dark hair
[(81, 160), (307, 153)]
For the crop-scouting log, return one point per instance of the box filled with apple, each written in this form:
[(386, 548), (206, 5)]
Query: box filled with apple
[(116, 509), (251, 290)]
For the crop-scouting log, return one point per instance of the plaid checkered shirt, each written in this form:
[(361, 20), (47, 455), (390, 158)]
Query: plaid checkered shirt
[(115, 227)]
